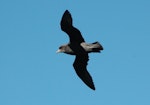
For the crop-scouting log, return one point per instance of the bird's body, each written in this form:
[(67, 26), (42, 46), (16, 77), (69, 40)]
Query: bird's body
[(88, 47), (78, 47)]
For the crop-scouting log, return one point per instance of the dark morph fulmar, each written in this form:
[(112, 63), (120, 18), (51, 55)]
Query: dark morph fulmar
[(78, 47)]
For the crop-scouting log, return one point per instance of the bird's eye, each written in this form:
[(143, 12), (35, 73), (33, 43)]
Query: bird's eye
[(60, 47)]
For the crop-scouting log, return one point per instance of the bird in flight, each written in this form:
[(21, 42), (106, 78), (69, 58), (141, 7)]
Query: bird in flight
[(78, 47)]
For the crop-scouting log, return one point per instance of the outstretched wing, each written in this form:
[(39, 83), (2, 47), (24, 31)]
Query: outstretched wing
[(67, 26), (66, 21), (79, 65)]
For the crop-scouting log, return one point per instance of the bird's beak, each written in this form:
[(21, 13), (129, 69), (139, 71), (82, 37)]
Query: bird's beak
[(58, 51)]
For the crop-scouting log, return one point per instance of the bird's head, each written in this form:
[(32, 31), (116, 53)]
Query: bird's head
[(65, 49), (61, 49)]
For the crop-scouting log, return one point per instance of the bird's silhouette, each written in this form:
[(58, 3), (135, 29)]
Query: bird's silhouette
[(78, 47)]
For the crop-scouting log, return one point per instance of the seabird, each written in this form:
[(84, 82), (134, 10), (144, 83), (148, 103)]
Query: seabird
[(78, 47)]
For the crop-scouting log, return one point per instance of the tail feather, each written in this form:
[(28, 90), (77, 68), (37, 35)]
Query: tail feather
[(97, 47), (96, 50), (92, 47)]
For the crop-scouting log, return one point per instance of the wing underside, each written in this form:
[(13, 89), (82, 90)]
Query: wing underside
[(79, 65), (67, 26)]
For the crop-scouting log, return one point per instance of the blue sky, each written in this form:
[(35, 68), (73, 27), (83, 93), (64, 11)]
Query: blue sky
[(31, 73)]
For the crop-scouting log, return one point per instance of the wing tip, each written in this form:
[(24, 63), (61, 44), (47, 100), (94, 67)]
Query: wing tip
[(66, 21), (67, 12), (93, 88)]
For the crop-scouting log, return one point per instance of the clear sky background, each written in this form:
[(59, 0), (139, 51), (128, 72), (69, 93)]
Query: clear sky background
[(31, 73)]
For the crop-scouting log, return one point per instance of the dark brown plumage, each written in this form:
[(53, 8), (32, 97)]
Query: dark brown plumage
[(66, 25), (79, 48)]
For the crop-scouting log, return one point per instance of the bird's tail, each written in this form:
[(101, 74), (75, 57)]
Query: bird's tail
[(96, 47), (92, 47)]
